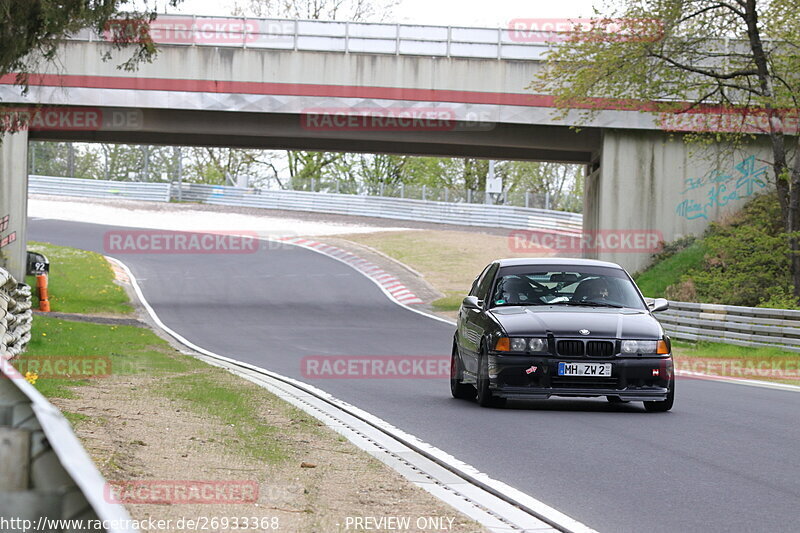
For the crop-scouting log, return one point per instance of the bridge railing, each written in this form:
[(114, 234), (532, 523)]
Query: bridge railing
[(334, 36)]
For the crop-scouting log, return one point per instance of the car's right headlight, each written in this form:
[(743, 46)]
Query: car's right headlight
[(644, 347)]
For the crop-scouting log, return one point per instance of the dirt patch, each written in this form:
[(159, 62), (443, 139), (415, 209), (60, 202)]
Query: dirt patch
[(135, 429)]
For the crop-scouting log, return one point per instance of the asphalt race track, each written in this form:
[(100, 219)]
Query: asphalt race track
[(725, 459)]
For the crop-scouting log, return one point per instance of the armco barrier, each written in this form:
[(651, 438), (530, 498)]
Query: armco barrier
[(464, 214), (45, 474), (155, 192), (743, 326)]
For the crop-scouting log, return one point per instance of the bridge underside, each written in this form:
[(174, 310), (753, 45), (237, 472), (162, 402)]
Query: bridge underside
[(289, 132)]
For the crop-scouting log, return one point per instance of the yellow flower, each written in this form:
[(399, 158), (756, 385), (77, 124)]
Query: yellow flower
[(31, 377), (44, 334)]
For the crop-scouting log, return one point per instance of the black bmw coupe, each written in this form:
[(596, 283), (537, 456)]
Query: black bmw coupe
[(536, 328)]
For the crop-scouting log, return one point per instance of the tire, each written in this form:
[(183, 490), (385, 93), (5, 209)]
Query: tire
[(616, 399), (485, 396), (665, 405), (461, 391)]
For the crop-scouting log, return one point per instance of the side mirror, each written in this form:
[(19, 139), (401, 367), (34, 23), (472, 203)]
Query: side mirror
[(658, 305), (471, 302)]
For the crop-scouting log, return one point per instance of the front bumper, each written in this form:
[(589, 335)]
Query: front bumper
[(534, 377)]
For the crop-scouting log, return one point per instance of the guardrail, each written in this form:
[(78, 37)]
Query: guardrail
[(45, 474), (464, 214), (395, 208), (155, 192), (334, 36), (729, 324)]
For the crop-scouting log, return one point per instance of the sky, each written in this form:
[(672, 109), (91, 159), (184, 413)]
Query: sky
[(480, 13)]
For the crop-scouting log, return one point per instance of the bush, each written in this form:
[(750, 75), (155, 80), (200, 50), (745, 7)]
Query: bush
[(746, 260)]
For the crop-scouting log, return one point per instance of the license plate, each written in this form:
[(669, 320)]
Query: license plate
[(585, 369)]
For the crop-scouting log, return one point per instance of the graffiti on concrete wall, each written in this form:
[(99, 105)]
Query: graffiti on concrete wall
[(720, 189)]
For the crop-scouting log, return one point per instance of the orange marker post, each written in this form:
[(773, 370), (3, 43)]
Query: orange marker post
[(44, 300)]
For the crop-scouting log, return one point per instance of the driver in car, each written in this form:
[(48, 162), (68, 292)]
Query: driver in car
[(593, 290)]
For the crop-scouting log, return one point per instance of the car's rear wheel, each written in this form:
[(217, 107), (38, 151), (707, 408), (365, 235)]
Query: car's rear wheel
[(462, 391), (485, 396), (665, 405)]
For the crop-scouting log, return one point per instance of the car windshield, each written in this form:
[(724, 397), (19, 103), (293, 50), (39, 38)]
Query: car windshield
[(596, 287)]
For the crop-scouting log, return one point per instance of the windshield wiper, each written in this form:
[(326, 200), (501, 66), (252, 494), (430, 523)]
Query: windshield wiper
[(590, 304)]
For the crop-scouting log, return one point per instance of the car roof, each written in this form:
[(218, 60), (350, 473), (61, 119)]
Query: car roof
[(561, 261)]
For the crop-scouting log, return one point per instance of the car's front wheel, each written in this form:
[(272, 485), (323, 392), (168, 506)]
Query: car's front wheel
[(485, 396), (664, 405), (462, 391)]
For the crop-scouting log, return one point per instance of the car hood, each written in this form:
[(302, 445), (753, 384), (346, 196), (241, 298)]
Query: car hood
[(566, 321)]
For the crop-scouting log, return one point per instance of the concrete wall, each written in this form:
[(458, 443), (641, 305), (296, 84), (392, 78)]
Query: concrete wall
[(13, 202), (656, 182)]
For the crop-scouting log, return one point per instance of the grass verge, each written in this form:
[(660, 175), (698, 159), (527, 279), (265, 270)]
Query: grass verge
[(80, 282), (654, 281)]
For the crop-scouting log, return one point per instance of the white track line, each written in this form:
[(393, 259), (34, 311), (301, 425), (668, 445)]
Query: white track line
[(492, 487)]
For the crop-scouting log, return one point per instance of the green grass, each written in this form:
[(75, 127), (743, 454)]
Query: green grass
[(129, 349), (80, 282), (215, 392), (655, 280), (451, 302)]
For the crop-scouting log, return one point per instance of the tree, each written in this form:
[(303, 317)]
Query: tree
[(31, 31), (732, 62)]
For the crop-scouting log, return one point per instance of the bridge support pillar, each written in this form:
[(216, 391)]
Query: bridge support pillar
[(13, 202), (653, 183)]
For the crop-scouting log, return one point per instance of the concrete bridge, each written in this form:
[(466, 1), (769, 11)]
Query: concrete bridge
[(423, 90)]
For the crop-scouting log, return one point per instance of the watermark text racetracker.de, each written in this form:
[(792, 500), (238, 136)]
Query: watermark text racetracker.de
[(376, 367), (598, 241), (397, 119), (554, 30), (57, 367), (122, 242), (773, 369), (67, 118), (179, 492), (197, 523), (199, 30)]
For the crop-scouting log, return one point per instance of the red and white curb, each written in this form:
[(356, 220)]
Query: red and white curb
[(389, 283)]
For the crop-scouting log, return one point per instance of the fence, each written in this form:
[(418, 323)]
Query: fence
[(344, 204), (423, 192), (45, 474), (333, 36), (729, 324), (155, 192)]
